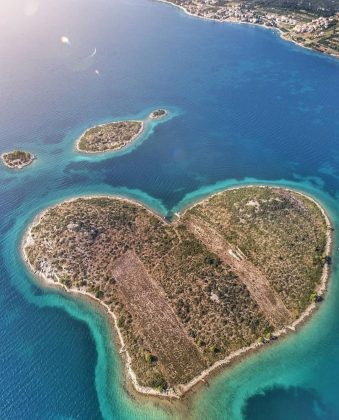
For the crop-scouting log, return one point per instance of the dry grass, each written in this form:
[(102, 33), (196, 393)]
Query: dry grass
[(183, 300)]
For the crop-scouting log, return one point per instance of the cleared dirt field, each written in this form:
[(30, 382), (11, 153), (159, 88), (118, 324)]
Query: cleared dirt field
[(177, 355)]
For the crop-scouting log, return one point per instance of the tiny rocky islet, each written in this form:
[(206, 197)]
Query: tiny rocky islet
[(158, 113), (229, 274), (17, 159)]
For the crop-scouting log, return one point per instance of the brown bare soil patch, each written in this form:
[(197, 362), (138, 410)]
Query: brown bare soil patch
[(155, 320)]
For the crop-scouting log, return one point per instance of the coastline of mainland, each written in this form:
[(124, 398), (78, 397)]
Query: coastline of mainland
[(281, 33)]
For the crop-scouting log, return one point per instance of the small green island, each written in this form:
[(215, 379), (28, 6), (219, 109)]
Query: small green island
[(115, 135), (17, 159), (227, 276), (158, 113)]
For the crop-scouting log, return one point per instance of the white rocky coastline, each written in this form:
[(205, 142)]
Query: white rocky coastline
[(47, 277)]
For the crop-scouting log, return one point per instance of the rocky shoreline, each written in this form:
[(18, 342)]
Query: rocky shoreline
[(17, 159), (182, 389)]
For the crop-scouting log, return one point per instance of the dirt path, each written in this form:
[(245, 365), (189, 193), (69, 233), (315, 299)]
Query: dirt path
[(256, 283)]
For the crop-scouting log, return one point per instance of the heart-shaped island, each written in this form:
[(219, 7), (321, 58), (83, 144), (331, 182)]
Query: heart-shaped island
[(229, 274)]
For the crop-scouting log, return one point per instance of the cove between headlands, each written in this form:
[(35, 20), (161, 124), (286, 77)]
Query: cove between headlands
[(190, 296)]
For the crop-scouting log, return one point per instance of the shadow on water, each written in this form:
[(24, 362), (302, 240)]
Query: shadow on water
[(293, 403)]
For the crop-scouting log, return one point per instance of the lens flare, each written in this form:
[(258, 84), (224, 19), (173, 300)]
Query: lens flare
[(65, 40)]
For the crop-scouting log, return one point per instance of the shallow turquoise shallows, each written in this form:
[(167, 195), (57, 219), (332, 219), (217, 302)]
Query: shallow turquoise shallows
[(245, 107)]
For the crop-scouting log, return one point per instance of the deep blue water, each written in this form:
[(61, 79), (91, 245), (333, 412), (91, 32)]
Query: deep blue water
[(245, 107)]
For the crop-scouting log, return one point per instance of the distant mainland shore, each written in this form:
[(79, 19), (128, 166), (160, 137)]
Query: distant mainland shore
[(316, 29)]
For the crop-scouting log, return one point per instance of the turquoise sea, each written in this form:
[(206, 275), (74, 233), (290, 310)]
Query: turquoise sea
[(246, 107)]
